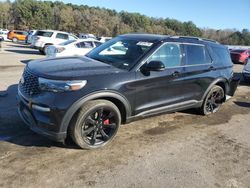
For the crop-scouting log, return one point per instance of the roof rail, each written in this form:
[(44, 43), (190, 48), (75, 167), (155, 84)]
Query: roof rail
[(210, 40), (195, 38)]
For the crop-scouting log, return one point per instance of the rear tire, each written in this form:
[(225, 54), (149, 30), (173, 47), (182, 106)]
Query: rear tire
[(45, 48), (212, 101), (96, 124), (41, 51)]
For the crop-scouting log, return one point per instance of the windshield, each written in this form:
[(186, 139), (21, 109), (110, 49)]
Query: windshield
[(122, 53), (67, 42)]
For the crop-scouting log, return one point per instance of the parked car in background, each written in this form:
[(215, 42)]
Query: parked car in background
[(239, 56), (17, 35), (246, 71), (88, 97), (44, 38), (30, 35), (86, 36), (1, 29), (4, 35), (78, 47), (104, 39)]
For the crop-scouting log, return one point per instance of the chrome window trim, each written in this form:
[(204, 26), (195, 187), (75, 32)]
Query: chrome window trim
[(183, 55)]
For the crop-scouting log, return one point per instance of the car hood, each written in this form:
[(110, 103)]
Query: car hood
[(70, 67)]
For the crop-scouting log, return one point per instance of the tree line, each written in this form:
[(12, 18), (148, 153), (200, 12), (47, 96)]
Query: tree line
[(33, 14)]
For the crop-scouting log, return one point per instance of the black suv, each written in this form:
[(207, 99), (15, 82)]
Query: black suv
[(128, 77)]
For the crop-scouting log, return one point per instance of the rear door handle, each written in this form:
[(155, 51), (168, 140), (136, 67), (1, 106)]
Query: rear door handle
[(175, 74)]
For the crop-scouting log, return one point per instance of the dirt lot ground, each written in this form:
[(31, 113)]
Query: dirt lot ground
[(172, 150)]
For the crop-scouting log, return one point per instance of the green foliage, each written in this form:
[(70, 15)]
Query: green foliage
[(33, 14), (5, 14), (228, 36)]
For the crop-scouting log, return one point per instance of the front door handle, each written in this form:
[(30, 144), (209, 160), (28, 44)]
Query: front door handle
[(175, 74), (211, 67)]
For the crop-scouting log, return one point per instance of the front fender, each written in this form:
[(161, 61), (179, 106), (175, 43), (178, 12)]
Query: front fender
[(96, 95)]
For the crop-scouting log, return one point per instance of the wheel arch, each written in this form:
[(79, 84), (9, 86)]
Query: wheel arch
[(119, 100), (222, 82), (47, 44)]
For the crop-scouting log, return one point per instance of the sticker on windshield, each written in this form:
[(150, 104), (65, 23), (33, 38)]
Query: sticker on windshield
[(144, 43)]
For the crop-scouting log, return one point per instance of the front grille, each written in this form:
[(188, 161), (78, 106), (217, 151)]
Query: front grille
[(29, 83)]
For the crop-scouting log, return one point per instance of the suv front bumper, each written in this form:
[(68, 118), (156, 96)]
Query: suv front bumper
[(38, 119)]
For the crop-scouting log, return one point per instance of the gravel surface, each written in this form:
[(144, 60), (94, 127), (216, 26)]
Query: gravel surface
[(180, 149)]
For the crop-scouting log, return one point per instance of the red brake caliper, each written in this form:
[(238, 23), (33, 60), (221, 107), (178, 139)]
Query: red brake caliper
[(106, 122)]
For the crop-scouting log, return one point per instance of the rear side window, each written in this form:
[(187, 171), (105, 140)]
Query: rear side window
[(168, 54), (44, 33), (97, 43), (62, 36), (196, 55), (84, 45), (221, 55)]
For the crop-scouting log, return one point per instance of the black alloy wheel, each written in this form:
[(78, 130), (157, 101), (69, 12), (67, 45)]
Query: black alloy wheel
[(96, 125), (213, 100)]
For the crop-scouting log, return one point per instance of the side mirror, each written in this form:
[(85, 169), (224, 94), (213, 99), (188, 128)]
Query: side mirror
[(154, 66)]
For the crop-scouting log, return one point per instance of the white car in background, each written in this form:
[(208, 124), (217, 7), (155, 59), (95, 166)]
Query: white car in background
[(78, 47), (44, 38), (104, 39), (4, 34)]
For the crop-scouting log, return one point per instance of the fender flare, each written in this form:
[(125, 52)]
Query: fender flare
[(96, 95), (217, 80)]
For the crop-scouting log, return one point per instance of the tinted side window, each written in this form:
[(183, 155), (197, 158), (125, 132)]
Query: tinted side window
[(19, 33), (196, 55), (84, 45), (62, 36), (44, 33), (221, 55), (169, 54), (97, 43)]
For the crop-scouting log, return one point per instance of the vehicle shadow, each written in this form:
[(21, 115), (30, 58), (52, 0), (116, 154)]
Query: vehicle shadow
[(242, 104), (26, 61), (19, 46), (14, 131), (24, 51)]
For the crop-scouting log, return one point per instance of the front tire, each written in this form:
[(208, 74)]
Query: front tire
[(15, 40), (213, 101), (96, 124)]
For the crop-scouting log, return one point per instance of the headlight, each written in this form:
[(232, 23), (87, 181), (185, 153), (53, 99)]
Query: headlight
[(60, 86)]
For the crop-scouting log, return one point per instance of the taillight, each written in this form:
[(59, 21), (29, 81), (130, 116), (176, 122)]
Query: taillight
[(59, 50)]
